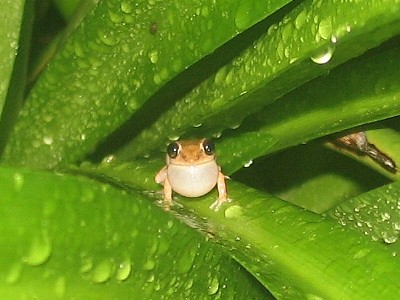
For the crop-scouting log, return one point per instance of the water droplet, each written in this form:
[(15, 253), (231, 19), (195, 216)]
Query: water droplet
[(248, 164), (214, 286), (18, 181), (325, 28), (153, 55), (385, 216), (86, 266), (48, 140), (300, 19), (115, 18), (390, 239), (174, 137), (39, 251), (234, 212), (102, 272), (149, 265), (14, 274), (186, 260), (124, 270), (243, 13), (157, 79), (323, 56), (204, 11), (60, 287), (396, 226), (217, 135), (126, 7), (107, 38)]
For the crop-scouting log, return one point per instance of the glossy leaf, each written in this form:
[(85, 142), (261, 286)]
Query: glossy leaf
[(11, 19), (323, 106), (293, 252), (71, 237), (376, 214), (312, 39), (109, 67)]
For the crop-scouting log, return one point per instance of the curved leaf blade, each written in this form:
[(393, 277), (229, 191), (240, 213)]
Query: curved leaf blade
[(110, 66), (293, 252), (66, 237), (277, 63), (360, 92)]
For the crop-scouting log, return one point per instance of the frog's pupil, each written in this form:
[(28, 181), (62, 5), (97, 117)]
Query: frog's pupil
[(173, 150), (208, 147)]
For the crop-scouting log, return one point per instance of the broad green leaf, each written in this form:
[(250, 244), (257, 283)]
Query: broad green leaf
[(11, 18), (311, 39), (122, 53), (376, 214), (295, 253), (362, 91), (72, 237), (15, 29)]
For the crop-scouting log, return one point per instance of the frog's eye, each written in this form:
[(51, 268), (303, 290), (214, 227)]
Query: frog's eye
[(209, 147), (173, 150)]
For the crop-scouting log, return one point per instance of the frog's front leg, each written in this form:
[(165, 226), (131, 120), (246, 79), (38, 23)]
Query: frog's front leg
[(167, 202), (162, 178), (222, 194)]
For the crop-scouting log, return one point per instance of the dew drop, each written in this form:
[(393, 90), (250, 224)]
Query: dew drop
[(243, 13), (14, 274), (39, 251), (126, 7), (153, 55), (214, 286), (124, 270), (102, 272), (48, 140), (300, 19), (385, 216), (157, 79), (325, 28), (324, 56), (86, 266), (390, 239), (248, 164), (396, 225), (149, 265), (234, 212), (217, 135), (18, 181), (186, 260)]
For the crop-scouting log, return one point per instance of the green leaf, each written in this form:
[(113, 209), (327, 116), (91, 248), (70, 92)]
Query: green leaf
[(11, 19), (362, 91), (72, 237), (277, 63), (109, 67), (295, 253), (15, 29), (376, 214)]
